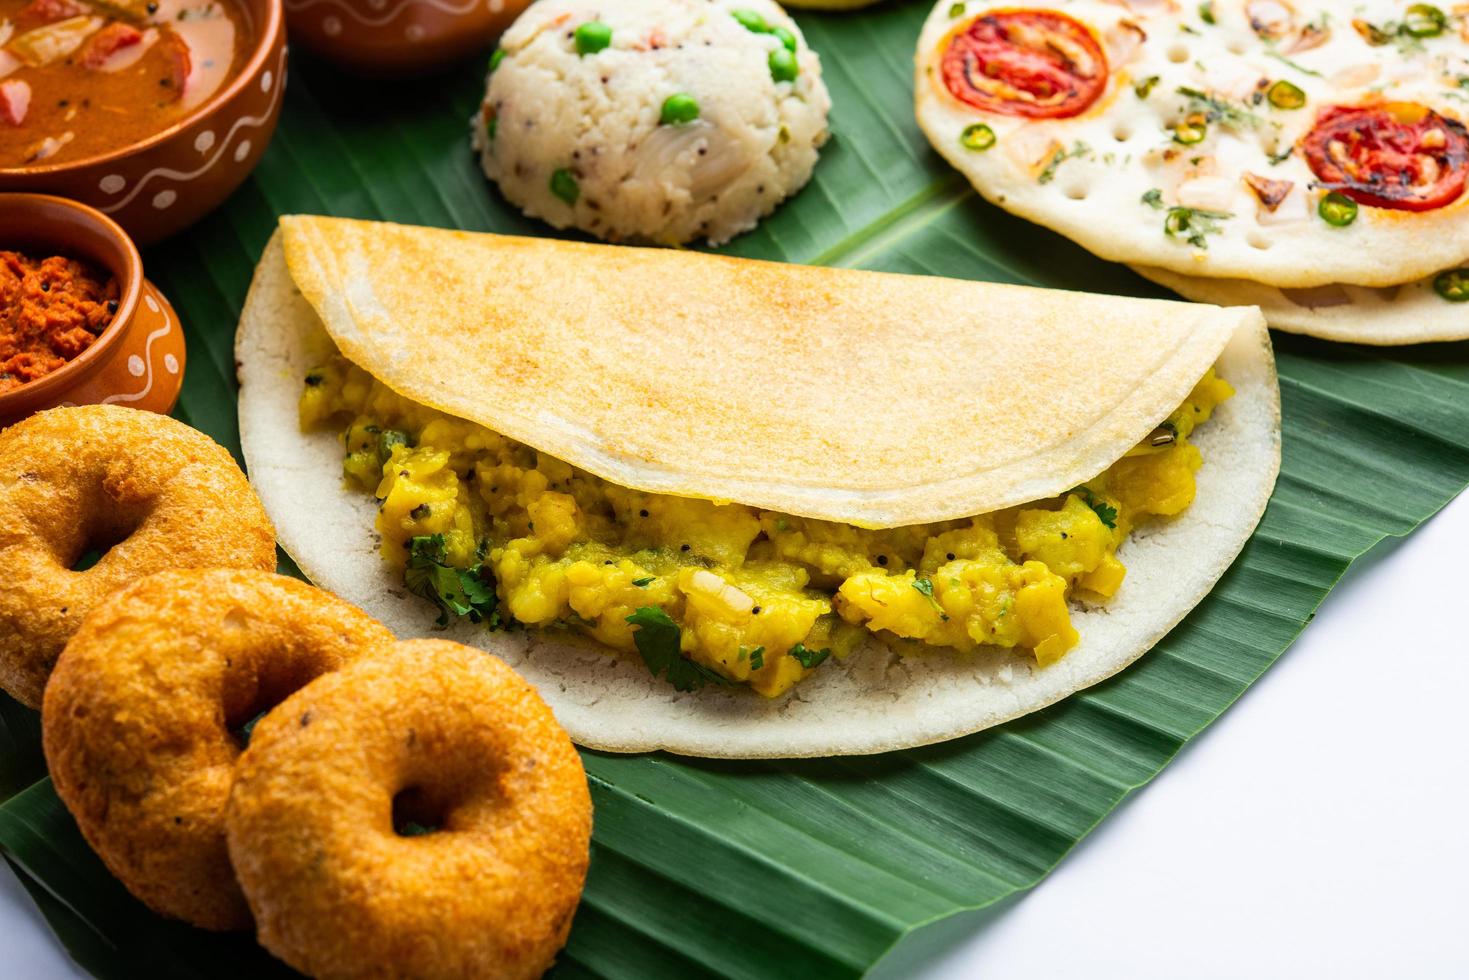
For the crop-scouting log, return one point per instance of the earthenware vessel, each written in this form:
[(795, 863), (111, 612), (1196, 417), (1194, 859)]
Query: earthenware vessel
[(138, 360), (163, 184), (398, 37)]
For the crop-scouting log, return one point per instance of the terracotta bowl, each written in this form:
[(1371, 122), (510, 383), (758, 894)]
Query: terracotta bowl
[(139, 359), (170, 180), (398, 37)]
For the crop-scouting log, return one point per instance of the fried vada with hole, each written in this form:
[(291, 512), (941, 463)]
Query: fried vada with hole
[(146, 491), (143, 714), (327, 816)]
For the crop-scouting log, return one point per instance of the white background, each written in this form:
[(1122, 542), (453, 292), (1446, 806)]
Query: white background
[(1319, 829)]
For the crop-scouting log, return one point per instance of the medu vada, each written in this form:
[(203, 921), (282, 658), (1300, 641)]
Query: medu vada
[(142, 718), (146, 491), (418, 813)]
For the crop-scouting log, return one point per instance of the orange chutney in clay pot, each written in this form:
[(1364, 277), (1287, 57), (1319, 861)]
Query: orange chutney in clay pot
[(398, 37), (79, 325), (152, 111)]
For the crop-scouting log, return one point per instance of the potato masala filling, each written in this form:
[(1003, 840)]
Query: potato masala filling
[(491, 529)]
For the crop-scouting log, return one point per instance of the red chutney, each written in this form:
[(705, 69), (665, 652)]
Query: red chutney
[(51, 310), (81, 78)]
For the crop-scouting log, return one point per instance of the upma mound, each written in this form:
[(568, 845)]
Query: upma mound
[(142, 717), (660, 121), (419, 813)]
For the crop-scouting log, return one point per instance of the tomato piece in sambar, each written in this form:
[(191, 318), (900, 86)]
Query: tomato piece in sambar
[(84, 79)]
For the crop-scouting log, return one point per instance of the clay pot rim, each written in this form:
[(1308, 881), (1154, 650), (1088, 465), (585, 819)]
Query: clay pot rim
[(264, 44), (123, 261)]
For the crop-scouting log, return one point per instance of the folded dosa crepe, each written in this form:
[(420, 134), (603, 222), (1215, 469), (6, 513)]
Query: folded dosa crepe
[(745, 509)]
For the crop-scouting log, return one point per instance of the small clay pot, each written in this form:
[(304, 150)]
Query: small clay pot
[(138, 360), (163, 184), (390, 38)]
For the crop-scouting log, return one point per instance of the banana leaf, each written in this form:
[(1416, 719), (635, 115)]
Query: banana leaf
[(815, 867)]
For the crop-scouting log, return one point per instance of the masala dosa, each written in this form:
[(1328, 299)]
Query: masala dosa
[(866, 398)]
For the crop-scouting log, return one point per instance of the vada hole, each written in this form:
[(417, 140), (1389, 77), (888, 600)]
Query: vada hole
[(243, 732), (1076, 192), (1122, 133), (1258, 241), (87, 559), (415, 815), (1178, 54), (103, 529)]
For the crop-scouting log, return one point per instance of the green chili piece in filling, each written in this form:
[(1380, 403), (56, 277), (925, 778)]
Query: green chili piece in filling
[(784, 36), (564, 186), (1453, 285), (977, 136), (1285, 95), (679, 108), (1424, 20), (783, 65), (591, 37), (386, 440), (1337, 210)]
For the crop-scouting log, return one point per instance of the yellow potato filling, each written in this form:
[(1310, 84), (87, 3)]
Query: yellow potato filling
[(724, 593)]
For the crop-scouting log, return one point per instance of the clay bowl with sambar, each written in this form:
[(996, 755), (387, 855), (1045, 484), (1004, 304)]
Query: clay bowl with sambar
[(391, 38), (151, 111), (59, 262)]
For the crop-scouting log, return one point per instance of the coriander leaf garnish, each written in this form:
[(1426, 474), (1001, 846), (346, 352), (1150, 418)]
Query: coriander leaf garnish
[(1192, 224), (1078, 149), (1420, 21), (644, 582), (1272, 53), (1216, 109), (1153, 198), (809, 658), (456, 591), (1144, 87), (658, 641), (755, 656), (1105, 512), (925, 586)]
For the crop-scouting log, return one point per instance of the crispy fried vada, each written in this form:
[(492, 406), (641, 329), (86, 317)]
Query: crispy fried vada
[(148, 492), (330, 801), (143, 712)]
